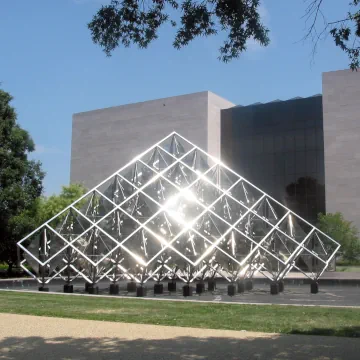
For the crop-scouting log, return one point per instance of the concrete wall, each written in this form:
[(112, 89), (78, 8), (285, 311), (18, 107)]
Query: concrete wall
[(104, 140), (215, 105), (341, 104), (226, 139)]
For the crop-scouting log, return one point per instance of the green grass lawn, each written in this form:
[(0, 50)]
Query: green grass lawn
[(274, 318), (349, 268)]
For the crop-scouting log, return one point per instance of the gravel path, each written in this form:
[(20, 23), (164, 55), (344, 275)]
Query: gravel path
[(31, 337)]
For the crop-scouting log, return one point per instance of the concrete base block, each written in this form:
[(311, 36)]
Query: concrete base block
[(314, 287), (68, 289), (187, 290), (231, 289), (158, 289), (241, 287), (249, 285), (114, 289), (274, 288), (141, 291), (211, 285), (200, 288), (93, 290)]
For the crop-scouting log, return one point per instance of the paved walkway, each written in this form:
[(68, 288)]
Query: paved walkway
[(31, 337)]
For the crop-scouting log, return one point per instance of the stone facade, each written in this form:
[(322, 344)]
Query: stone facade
[(215, 105), (104, 140), (341, 106)]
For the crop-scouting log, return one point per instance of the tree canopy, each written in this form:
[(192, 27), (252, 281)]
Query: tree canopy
[(137, 22), (126, 22), (50, 206), (344, 232), (345, 31), (20, 181)]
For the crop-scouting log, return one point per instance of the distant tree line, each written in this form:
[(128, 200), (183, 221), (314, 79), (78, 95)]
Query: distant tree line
[(22, 204)]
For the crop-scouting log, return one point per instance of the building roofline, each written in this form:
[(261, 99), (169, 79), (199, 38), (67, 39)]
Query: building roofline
[(280, 101), (146, 101)]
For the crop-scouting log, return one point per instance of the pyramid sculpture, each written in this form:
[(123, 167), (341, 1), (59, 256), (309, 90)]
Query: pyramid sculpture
[(175, 212)]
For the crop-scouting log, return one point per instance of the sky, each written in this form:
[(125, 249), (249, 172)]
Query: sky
[(53, 70)]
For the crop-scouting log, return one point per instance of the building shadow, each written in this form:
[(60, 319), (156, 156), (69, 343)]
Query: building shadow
[(281, 347)]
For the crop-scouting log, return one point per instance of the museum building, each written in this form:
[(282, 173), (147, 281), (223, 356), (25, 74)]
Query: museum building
[(304, 152)]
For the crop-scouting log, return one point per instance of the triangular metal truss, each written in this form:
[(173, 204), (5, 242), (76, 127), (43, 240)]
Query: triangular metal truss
[(175, 211)]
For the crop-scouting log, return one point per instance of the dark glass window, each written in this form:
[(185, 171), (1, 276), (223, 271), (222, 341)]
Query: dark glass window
[(290, 140), (319, 139), (258, 144), (300, 162), (321, 167), (290, 163), (279, 164), (284, 149), (300, 140), (310, 139), (278, 142), (245, 145), (311, 159), (268, 143)]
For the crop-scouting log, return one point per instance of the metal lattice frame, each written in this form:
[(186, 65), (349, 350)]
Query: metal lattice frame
[(175, 211)]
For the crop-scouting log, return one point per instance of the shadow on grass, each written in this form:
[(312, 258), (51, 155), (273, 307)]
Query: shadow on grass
[(350, 331), (280, 347)]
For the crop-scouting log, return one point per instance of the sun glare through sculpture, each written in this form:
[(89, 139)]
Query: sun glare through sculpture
[(176, 211)]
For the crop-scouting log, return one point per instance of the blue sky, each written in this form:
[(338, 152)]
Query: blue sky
[(51, 67)]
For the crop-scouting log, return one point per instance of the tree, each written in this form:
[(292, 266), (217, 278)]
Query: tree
[(20, 182), (49, 207), (137, 22), (345, 31), (344, 232)]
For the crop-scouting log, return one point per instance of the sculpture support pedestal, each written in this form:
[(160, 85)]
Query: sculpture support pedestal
[(114, 289), (231, 289), (93, 290), (141, 291), (200, 288), (249, 285), (314, 287), (274, 288), (158, 289), (211, 285), (187, 290), (241, 286), (68, 289)]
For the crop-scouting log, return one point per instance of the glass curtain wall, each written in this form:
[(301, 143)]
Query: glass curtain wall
[(279, 147)]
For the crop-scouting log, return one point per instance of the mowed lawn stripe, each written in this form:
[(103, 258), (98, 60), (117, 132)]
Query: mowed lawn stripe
[(263, 318)]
